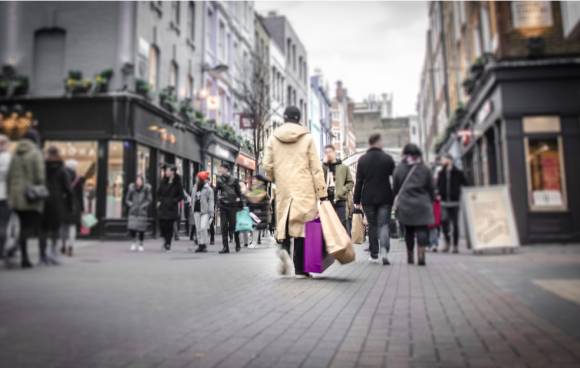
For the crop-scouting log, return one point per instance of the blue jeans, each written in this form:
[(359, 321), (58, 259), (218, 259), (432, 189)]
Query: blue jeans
[(378, 219)]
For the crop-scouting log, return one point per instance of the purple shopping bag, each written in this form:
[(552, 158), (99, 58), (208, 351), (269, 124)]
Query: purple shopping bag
[(316, 260)]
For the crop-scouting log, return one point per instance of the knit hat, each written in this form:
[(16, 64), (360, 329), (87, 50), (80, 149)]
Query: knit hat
[(203, 175), (292, 114)]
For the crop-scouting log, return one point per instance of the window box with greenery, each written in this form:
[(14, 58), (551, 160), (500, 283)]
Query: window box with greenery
[(75, 85), (142, 88), (468, 86), (186, 111), (102, 81), (4, 86), (167, 99)]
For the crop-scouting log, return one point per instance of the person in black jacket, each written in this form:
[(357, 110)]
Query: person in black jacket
[(72, 220), (373, 191), (169, 194), (230, 202), (449, 183), (57, 206)]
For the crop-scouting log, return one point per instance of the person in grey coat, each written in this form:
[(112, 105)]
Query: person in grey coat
[(138, 200), (203, 209), (413, 186)]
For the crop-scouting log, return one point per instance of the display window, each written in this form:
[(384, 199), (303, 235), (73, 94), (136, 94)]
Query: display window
[(144, 162), (84, 155), (115, 180), (545, 163)]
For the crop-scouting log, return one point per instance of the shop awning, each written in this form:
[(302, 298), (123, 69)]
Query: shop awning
[(246, 162)]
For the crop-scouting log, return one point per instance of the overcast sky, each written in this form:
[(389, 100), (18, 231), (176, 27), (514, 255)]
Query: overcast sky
[(373, 47)]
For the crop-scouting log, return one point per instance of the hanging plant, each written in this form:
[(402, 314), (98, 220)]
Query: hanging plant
[(20, 86), (186, 111), (4, 87), (142, 88)]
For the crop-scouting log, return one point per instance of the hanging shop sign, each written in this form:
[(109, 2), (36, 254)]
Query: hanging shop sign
[(490, 218), (532, 14), (246, 121)]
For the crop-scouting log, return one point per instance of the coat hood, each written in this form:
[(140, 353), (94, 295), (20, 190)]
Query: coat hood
[(290, 132), (24, 146)]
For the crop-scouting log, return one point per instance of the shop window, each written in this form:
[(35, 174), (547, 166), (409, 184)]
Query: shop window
[(545, 169), (115, 180), (84, 155), (144, 163)]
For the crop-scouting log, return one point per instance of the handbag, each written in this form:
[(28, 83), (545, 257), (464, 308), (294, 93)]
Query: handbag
[(244, 222), (89, 220), (338, 242), (357, 232), (35, 193), (316, 259)]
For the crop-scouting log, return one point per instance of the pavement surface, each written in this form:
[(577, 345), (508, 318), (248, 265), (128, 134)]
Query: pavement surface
[(108, 307)]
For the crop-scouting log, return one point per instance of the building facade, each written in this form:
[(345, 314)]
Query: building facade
[(342, 108), (296, 61), (512, 71), (319, 115), (103, 51)]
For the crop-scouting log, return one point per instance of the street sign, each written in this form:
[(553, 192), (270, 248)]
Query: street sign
[(490, 218), (246, 121)]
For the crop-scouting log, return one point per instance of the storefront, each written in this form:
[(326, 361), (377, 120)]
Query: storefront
[(114, 139), (522, 128), (218, 151)]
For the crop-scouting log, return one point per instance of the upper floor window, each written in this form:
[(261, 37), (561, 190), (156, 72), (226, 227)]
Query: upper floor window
[(289, 50), (153, 75), (189, 86), (221, 40), (191, 20), (209, 29), (173, 74)]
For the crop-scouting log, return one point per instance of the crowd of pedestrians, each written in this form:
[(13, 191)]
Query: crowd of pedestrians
[(45, 195)]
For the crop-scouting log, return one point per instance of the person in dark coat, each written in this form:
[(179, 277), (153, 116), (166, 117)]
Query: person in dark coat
[(413, 186), (138, 199), (72, 220), (57, 206), (169, 194), (230, 202), (449, 183), (373, 191)]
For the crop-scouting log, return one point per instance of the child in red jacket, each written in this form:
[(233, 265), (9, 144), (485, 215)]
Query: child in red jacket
[(434, 228)]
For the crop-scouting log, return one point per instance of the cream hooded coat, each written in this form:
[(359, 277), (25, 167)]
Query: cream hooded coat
[(291, 161)]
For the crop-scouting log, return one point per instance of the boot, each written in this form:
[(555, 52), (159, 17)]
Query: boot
[(225, 250), (238, 248), (201, 249), (410, 256), (455, 249), (421, 256)]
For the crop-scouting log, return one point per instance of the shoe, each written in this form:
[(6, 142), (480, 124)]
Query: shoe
[(303, 275), (44, 261), (26, 264), (245, 245), (252, 246), (421, 256), (141, 249), (445, 248), (69, 251), (224, 251), (238, 248), (374, 260), (285, 262), (455, 249), (434, 249), (133, 247), (386, 261), (201, 249), (411, 257), (63, 249)]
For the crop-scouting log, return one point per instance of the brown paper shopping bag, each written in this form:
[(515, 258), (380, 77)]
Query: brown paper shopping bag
[(357, 232), (338, 243)]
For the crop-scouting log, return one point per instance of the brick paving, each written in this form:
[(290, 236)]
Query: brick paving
[(109, 307)]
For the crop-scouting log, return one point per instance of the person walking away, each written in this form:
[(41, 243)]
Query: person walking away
[(413, 186), (26, 172), (56, 207), (230, 202), (339, 183), (169, 194), (373, 191), (138, 200), (72, 220), (5, 157), (203, 210), (449, 183), (291, 161)]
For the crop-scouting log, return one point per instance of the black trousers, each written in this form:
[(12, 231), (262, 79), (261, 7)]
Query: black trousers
[(228, 225), (4, 219), (422, 234), (451, 222), (134, 234), (166, 229), (340, 208), (298, 257)]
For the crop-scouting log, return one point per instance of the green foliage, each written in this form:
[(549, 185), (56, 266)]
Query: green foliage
[(142, 88), (75, 75), (228, 133), (168, 99)]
